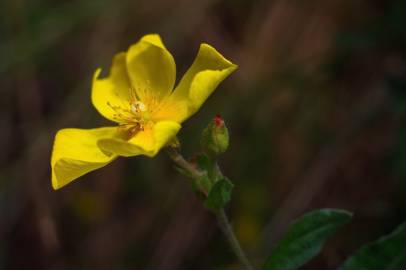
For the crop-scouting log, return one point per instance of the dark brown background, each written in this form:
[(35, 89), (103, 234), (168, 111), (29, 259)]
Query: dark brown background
[(316, 113)]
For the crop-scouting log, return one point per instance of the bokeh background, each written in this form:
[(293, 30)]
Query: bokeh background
[(316, 113)]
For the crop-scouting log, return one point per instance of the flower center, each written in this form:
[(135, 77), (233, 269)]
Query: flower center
[(136, 115), (132, 118)]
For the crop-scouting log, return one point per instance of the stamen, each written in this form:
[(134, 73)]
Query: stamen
[(138, 107), (127, 131), (135, 115)]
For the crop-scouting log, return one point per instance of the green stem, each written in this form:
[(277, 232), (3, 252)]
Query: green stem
[(183, 164), (232, 240), (221, 216)]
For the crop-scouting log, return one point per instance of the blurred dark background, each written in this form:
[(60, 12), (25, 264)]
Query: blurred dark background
[(316, 112)]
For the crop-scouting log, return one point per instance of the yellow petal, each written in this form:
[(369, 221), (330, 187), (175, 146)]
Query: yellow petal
[(207, 71), (147, 142), (151, 68), (171, 110), (76, 153), (113, 90)]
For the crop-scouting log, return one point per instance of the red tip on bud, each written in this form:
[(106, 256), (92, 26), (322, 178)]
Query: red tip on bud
[(218, 121)]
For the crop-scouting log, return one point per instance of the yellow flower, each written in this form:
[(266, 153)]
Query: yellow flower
[(138, 95)]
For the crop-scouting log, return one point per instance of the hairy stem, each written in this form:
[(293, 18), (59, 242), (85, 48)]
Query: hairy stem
[(232, 240), (221, 216)]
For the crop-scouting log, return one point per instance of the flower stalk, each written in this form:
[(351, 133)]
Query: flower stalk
[(220, 214), (226, 228)]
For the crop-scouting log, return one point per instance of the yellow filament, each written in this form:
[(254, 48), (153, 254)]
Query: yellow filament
[(136, 115)]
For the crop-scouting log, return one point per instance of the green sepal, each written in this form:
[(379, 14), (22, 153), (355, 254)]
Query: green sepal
[(219, 194), (305, 238)]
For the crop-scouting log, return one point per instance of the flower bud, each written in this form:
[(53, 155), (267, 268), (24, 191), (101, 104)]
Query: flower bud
[(215, 137)]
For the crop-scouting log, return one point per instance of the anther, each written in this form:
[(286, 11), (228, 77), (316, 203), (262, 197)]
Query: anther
[(138, 107)]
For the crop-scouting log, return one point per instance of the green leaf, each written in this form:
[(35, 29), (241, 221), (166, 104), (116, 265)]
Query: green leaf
[(305, 238), (219, 195), (388, 252), (202, 184)]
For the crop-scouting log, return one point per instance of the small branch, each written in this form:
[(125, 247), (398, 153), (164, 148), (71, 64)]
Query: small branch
[(183, 164)]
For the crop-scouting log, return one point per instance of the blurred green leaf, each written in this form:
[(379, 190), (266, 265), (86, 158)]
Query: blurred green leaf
[(204, 162), (305, 238), (219, 195), (388, 252)]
